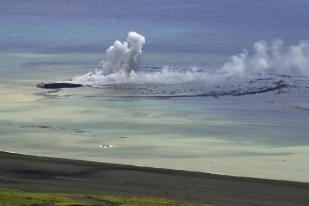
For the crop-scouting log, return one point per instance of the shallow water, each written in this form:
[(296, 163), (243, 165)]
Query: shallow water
[(263, 135)]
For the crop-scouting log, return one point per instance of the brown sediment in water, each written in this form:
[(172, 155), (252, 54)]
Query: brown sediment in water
[(16, 95)]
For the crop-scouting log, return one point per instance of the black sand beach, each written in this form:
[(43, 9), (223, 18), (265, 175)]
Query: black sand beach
[(42, 174)]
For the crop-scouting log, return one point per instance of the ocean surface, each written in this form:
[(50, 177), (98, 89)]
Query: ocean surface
[(179, 119)]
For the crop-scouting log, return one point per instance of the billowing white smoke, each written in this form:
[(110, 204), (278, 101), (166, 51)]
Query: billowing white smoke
[(120, 60), (120, 63), (119, 66), (270, 58), (163, 76), (123, 56)]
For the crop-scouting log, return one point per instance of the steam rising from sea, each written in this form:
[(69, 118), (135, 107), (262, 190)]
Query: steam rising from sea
[(265, 66), (271, 58)]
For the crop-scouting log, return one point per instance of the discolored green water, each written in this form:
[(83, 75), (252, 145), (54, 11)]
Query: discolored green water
[(264, 135), (247, 136)]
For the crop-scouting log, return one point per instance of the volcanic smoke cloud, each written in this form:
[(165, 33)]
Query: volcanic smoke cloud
[(120, 60), (123, 56), (120, 64), (270, 58)]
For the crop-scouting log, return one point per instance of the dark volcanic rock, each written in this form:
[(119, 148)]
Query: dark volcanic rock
[(57, 85)]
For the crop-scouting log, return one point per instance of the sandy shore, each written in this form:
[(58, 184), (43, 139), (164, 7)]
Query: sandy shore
[(62, 175)]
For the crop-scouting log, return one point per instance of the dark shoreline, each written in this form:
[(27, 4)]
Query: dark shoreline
[(45, 174)]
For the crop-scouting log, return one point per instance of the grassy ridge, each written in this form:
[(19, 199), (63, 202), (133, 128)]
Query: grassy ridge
[(22, 198)]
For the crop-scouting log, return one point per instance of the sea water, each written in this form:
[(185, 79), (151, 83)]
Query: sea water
[(263, 135)]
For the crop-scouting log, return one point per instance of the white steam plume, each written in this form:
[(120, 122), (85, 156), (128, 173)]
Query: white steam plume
[(119, 65), (163, 76), (120, 60), (123, 56), (270, 58)]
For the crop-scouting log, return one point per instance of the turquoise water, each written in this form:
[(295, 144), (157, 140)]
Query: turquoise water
[(264, 135)]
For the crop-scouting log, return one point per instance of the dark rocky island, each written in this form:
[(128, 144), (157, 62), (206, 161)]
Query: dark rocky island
[(59, 85)]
